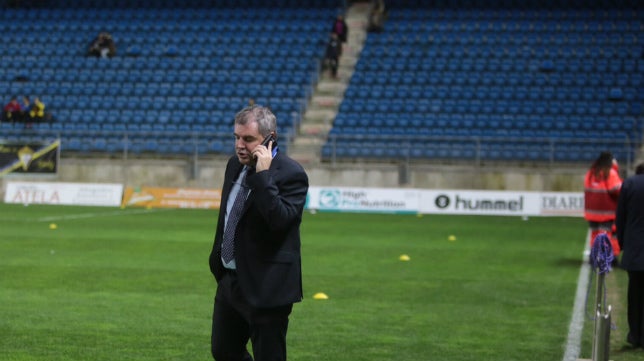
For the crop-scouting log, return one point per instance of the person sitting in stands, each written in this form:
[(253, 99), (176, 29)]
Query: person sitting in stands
[(37, 110), (25, 105), (103, 46), (12, 111)]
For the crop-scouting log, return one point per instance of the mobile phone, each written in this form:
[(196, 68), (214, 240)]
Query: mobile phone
[(265, 143), (268, 140)]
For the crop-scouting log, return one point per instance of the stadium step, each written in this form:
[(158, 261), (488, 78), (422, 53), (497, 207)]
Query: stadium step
[(327, 87)]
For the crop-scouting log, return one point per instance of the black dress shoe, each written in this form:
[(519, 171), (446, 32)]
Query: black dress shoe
[(633, 341)]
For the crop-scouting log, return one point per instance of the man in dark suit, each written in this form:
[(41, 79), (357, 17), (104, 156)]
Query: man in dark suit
[(256, 254), (630, 234)]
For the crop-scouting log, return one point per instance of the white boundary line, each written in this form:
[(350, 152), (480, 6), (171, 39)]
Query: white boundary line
[(86, 215), (573, 344)]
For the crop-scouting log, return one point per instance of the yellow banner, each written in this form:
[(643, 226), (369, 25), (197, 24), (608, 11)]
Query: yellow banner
[(151, 197)]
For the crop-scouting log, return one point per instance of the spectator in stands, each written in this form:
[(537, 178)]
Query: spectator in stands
[(601, 190), (25, 105), (37, 111), (103, 46), (376, 16), (340, 29), (12, 111), (332, 55), (630, 233)]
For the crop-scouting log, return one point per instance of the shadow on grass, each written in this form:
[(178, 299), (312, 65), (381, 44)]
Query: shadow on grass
[(568, 262), (628, 352)]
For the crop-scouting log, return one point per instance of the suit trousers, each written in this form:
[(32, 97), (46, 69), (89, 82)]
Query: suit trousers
[(235, 322), (636, 307)]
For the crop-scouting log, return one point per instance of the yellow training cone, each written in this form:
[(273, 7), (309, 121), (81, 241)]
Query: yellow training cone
[(451, 238), (404, 257), (320, 296), (53, 226)]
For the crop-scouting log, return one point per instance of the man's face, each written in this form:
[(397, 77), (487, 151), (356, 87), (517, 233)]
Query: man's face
[(247, 137)]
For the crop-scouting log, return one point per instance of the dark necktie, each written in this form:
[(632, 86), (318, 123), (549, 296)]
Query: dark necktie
[(228, 243)]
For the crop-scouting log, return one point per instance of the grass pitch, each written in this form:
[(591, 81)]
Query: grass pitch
[(134, 284)]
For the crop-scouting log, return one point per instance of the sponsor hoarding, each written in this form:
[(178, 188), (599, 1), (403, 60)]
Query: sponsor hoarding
[(476, 202), (479, 202), (152, 197), (363, 199), (334, 199), (562, 204), (80, 194)]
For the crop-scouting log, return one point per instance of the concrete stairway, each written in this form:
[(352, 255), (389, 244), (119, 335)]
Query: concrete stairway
[(328, 94)]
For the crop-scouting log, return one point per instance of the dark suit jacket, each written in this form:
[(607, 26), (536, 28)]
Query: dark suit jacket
[(267, 240), (629, 222)]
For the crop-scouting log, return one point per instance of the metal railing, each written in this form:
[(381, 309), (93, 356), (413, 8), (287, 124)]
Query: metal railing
[(475, 149), (338, 148)]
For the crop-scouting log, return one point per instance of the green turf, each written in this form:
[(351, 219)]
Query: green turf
[(111, 284)]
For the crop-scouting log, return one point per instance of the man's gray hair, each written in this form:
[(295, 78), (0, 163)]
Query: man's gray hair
[(266, 120)]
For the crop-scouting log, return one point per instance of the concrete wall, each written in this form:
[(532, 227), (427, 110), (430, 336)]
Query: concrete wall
[(209, 173)]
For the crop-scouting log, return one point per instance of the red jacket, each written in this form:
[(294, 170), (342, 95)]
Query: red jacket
[(12, 106), (600, 196)]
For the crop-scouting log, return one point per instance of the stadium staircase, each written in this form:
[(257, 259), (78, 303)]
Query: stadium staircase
[(329, 92)]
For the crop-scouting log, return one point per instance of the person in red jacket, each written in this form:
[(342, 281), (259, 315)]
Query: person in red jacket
[(602, 185), (12, 111)]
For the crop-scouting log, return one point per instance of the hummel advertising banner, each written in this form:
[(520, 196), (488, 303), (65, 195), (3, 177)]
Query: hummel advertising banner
[(480, 202), (32, 158)]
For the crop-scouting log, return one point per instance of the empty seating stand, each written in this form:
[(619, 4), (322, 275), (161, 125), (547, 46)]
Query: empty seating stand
[(497, 80)]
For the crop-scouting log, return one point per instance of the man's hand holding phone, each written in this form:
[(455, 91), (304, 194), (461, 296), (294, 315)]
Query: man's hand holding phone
[(263, 154)]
